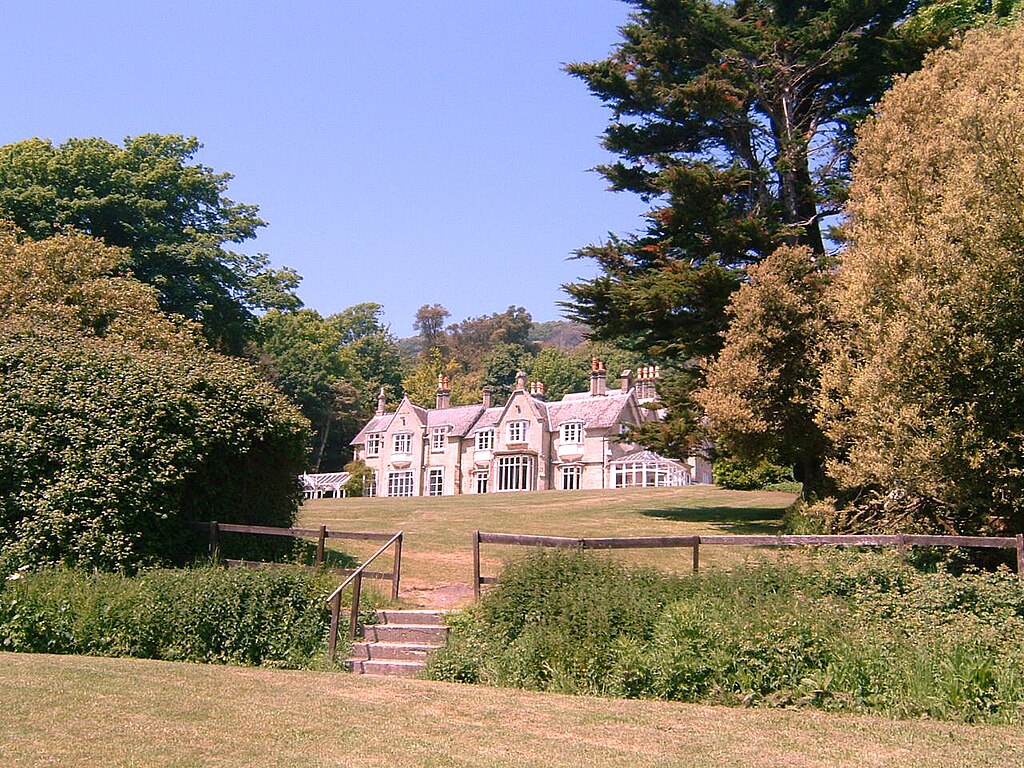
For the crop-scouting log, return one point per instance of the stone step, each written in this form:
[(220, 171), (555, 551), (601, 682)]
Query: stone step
[(391, 668), (405, 633), (419, 617), (363, 651), (400, 644)]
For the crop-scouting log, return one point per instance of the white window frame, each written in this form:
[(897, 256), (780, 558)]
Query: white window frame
[(374, 444), (572, 433), (435, 481), (518, 431), (481, 480), (572, 476), (515, 473), (370, 484), (485, 440), (438, 438), (401, 442), (401, 483)]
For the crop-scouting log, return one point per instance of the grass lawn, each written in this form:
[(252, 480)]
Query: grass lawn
[(437, 548), (80, 711)]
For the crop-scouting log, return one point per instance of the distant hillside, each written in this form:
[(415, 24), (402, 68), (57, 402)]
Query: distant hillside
[(560, 334)]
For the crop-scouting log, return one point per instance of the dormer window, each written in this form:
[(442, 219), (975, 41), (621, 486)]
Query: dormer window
[(438, 438), (517, 431), (402, 443), (485, 440), (572, 432), (374, 444)]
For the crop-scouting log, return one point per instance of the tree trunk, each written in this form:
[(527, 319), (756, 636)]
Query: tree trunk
[(324, 432)]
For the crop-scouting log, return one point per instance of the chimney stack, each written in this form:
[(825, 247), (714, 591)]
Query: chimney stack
[(488, 397), (521, 381), (382, 402), (537, 390), (647, 383), (444, 392), (598, 379), (626, 381)]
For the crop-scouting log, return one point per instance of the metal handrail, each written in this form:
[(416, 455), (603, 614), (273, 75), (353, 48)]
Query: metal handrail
[(356, 579)]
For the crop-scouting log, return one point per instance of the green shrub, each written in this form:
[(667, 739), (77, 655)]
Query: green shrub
[(208, 615), (850, 631), (738, 475)]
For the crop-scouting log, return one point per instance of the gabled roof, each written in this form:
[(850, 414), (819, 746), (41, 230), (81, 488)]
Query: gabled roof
[(488, 419), (595, 412), (460, 418), (376, 424)]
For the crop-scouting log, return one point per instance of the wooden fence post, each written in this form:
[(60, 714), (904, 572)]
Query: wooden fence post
[(396, 571), (1020, 557), (901, 545), (696, 555), (332, 637), (319, 557), (353, 623), (476, 565), (214, 529)]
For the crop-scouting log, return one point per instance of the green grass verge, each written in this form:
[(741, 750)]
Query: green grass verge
[(71, 710), (438, 530)]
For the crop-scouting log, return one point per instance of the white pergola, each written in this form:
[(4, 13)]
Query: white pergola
[(328, 484)]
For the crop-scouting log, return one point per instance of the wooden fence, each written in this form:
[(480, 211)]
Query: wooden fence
[(900, 541), (321, 534)]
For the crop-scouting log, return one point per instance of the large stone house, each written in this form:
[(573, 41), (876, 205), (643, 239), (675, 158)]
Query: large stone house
[(525, 444)]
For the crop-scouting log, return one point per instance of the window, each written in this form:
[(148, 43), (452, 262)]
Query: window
[(515, 473), (572, 432), (400, 483), (438, 438), (571, 478), (374, 443), (517, 431), (485, 440), (480, 479), (370, 485), (402, 443), (435, 481)]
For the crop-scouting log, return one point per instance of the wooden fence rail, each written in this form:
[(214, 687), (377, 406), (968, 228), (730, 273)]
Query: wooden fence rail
[(321, 535), (900, 541)]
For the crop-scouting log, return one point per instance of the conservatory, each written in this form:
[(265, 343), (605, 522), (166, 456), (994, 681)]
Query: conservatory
[(646, 469)]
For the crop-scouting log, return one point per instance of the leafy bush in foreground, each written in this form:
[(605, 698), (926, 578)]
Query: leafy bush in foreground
[(849, 632), (207, 615)]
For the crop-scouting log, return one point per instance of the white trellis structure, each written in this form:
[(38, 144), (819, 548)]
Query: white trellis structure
[(325, 485), (647, 469)]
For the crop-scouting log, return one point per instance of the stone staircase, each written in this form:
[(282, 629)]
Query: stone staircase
[(399, 644)]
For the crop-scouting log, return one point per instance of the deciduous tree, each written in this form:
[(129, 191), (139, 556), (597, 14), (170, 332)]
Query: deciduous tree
[(172, 215), (924, 394)]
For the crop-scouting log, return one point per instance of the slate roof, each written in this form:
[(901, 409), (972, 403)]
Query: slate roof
[(594, 412), (460, 418), (466, 420), (488, 419), (376, 424)]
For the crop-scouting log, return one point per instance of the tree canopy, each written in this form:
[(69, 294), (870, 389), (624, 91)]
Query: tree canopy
[(172, 215), (923, 393), (734, 120), (116, 427), (332, 368)]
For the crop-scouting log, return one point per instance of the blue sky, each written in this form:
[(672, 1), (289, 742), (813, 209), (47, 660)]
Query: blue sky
[(402, 152)]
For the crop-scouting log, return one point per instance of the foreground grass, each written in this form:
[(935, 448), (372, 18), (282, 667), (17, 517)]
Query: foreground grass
[(71, 710), (438, 530)]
